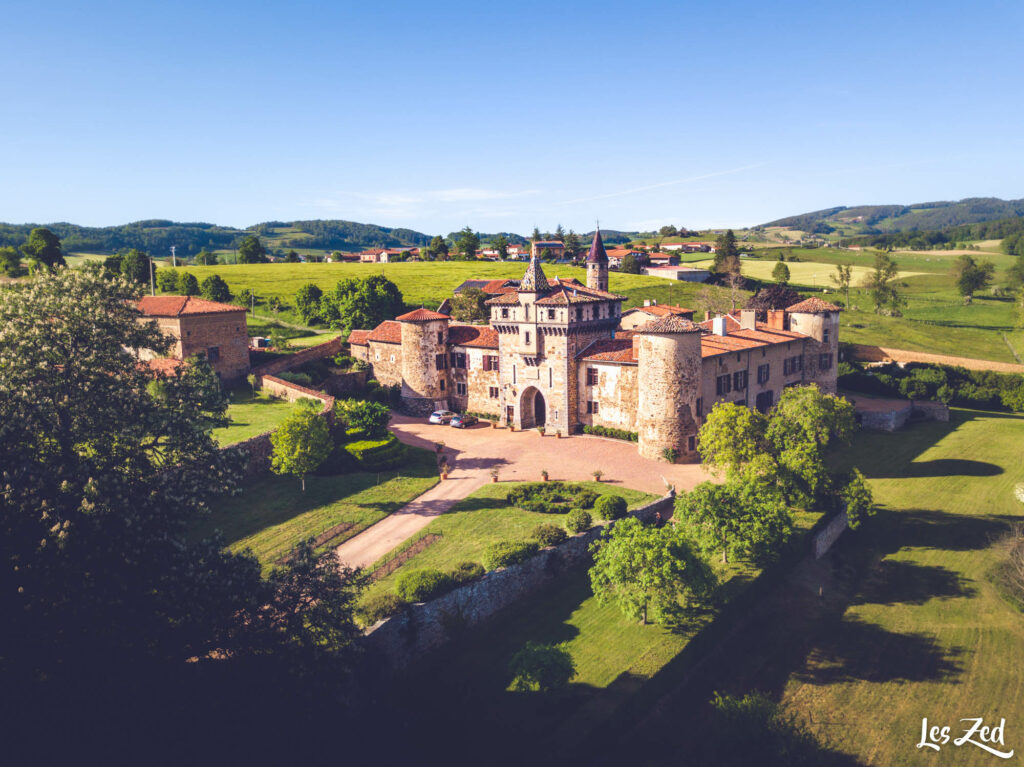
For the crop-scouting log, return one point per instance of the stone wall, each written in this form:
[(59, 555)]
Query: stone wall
[(291, 361), (395, 642), (886, 420), (343, 384), (931, 411), (224, 331), (668, 388), (828, 535), (386, 361), (615, 392)]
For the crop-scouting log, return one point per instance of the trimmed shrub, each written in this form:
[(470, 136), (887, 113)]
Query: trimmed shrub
[(605, 431), (421, 585), (611, 507), (549, 535), (505, 553), (379, 607), (551, 497), (302, 379), (376, 454), (578, 521), (465, 572), (541, 668)]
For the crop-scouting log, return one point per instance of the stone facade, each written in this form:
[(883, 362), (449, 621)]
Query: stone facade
[(553, 355)]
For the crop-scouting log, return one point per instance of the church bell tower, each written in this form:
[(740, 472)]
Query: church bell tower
[(597, 264)]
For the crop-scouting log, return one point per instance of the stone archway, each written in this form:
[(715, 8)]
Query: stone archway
[(532, 408)]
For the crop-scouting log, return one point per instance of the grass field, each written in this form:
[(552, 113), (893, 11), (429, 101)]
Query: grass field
[(810, 273), (250, 417), (484, 518), (272, 515)]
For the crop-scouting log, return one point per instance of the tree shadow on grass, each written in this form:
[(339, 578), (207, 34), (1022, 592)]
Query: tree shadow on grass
[(942, 467), (856, 650), (900, 582), (932, 529)]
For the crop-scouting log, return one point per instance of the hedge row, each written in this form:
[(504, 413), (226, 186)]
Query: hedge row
[(377, 454), (551, 497), (485, 416), (604, 431)]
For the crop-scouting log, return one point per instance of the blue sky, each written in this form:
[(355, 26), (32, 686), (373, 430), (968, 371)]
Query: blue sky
[(503, 116)]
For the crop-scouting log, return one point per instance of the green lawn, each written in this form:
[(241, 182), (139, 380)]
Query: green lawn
[(484, 518), (272, 514), (250, 417)]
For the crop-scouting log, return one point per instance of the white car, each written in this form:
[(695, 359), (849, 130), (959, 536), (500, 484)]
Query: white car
[(442, 416)]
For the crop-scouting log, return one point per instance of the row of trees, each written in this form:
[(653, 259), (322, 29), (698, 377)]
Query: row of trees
[(42, 249), (770, 464), (352, 303)]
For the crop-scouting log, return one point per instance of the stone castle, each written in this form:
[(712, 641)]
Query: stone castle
[(553, 355)]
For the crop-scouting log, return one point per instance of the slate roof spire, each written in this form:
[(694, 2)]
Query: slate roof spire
[(534, 280), (597, 253)]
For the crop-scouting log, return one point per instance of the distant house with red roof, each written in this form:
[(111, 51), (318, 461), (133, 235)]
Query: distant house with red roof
[(209, 329)]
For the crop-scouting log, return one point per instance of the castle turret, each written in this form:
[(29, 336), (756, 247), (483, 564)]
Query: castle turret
[(597, 264), (820, 321), (669, 381), (424, 361)]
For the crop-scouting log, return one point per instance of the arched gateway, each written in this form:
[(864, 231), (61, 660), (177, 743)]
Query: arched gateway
[(533, 408)]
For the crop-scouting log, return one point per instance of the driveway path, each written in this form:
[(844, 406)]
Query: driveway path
[(518, 456)]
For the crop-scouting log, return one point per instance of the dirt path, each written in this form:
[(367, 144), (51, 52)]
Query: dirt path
[(472, 454), (869, 353)]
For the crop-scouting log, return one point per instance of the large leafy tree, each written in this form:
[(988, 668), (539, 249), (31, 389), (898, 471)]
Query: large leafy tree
[(135, 266), (630, 264), (302, 442), (572, 244), (438, 248), (307, 301), (541, 668), (781, 273), (251, 250), (731, 437), (500, 243), (44, 247), (971, 275), (773, 297), (188, 284), (363, 303), (468, 242), (104, 466), (648, 571), (10, 260), (842, 279), (213, 288), (470, 306), (882, 282)]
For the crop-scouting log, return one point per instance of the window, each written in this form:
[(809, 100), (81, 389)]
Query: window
[(490, 362), (504, 314), (441, 361), (513, 374), (442, 384), (551, 314), (700, 407), (458, 360), (551, 377), (691, 444), (739, 380), (723, 385), (440, 336), (591, 407), (460, 389), (825, 335), (824, 361), (738, 357), (526, 337), (591, 376), (555, 417), (376, 356), (764, 401), (213, 353), (493, 392), (792, 365), (764, 372), (392, 357)]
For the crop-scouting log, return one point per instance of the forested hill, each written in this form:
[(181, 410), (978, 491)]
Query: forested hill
[(156, 236), (881, 219)]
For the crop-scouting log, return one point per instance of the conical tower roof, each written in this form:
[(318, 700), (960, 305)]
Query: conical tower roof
[(534, 280), (597, 254)]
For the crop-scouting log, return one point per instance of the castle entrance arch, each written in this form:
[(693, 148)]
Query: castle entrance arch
[(532, 408)]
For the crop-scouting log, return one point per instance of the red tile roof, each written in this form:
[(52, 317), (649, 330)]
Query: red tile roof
[(662, 310), (611, 350), (388, 332), (482, 336), (813, 305), (165, 365), (495, 287), (359, 337), (422, 315), (176, 306), (738, 339)]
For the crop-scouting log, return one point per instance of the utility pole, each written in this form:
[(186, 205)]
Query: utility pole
[(174, 262), (152, 282), (252, 311)]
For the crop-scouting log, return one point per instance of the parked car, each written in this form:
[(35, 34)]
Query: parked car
[(462, 421), (442, 416)]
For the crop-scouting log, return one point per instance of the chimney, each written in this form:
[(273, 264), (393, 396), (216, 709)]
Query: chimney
[(718, 326), (748, 320), (647, 302), (777, 319), (636, 346)]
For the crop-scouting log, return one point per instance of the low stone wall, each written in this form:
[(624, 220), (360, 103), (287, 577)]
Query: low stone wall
[(327, 349), (829, 534), (931, 411), (395, 642), (342, 384), (886, 420)]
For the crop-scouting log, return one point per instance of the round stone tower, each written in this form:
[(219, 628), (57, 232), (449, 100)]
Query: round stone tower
[(597, 264), (819, 320), (669, 385), (424, 360)]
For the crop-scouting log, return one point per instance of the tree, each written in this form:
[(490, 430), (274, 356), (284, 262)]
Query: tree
[(307, 302), (364, 303), (842, 279), (301, 443), (135, 265), (251, 379), (167, 281), (713, 300), (188, 285), (668, 231), (213, 288), (468, 243), (535, 236), (781, 273), (647, 570), (470, 306), (732, 436), (291, 257), (972, 276), (727, 255), (630, 264), (772, 297), (858, 499), (206, 258), (44, 247), (251, 250), (559, 233), (746, 516), (10, 261), (371, 418), (573, 247), (541, 668), (500, 244), (438, 248), (882, 284)]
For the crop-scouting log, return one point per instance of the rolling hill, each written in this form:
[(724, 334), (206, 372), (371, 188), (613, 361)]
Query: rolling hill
[(887, 219)]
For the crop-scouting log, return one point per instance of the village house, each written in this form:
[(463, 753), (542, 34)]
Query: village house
[(209, 329), (651, 310), (553, 249), (615, 256), (555, 355), (677, 272)]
